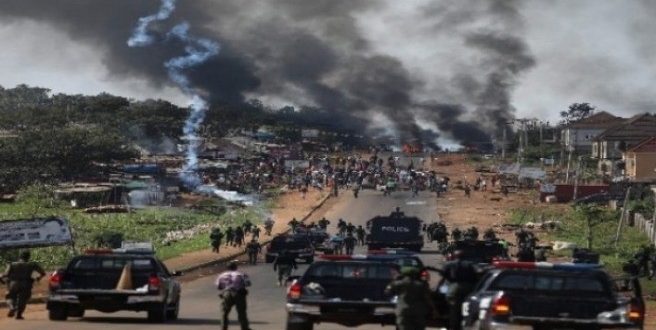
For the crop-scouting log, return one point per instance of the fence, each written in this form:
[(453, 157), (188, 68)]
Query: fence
[(646, 225)]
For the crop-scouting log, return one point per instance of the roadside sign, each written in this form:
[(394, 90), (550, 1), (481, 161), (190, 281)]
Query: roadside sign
[(38, 232)]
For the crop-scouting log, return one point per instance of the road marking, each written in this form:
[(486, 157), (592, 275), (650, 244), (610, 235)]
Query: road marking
[(416, 203)]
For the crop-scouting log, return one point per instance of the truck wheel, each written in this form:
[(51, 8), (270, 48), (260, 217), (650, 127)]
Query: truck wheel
[(157, 313), (76, 312), (174, 310), (298, 323), (57, 313)]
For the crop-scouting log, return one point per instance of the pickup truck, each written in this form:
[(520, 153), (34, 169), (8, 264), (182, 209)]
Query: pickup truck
[(91, 281), (297, 244), (346, 292), (528, 295), (476, 251)]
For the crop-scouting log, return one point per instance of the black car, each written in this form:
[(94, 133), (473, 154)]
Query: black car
[(91, 281), (299, 245), (347, 292), (550, 296)]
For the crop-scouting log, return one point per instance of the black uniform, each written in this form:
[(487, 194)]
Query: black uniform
[(215, 238), (349, 243), (284, 264), (19, 277), (461, 276), (253, 248)]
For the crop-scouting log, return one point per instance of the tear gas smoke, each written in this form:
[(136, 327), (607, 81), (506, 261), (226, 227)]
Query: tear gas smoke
[(198, 50)]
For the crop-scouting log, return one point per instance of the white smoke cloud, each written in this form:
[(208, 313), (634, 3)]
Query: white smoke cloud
[(197, 51)]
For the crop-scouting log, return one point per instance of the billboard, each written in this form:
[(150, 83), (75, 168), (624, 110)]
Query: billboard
[(34, 233)]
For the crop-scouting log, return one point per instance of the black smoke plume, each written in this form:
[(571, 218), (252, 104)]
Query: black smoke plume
[(314, 54)]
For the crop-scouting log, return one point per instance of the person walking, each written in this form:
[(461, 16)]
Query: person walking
[(349, 243), (414, 304), (253, 248), (360, 232), (232, 286), (283, 264), (255, 232), (20, 281), (461, 278), (230, 236), (268, 226), (215, 239)]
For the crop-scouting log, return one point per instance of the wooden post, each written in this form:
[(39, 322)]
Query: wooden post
[(622, 216)]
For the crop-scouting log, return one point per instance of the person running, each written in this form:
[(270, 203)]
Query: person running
[(284, 263), (215, 239), (19, 283), (253, 248), (232, 286)]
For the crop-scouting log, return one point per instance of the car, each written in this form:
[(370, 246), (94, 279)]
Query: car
[(348, 292), (540, 295), (299, 245), (114, 280)]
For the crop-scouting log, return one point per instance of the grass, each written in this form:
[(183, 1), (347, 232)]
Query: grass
[(573, 228), (150, 224)]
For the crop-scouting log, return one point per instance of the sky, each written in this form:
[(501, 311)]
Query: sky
[(458, 68)]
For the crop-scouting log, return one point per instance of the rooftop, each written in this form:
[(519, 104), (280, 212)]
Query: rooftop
[(600, 120)]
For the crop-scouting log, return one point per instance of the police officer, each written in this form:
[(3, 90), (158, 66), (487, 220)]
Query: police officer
[(323, 223), (255, 232), (414, 304), (253, 248), (215, 239), (349, 243), (20, 281), (232, 286), (461, 277), (268, 226), (456, 234), (284, 263), (360, 232)]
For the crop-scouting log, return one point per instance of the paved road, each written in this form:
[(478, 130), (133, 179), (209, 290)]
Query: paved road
[(266, 301)]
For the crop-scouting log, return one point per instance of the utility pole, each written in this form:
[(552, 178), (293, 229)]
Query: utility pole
[(569, 161), (541, 148), (576, 178), (622, 216)]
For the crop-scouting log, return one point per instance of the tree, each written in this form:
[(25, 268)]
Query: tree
[(593, 215), (576, 112)]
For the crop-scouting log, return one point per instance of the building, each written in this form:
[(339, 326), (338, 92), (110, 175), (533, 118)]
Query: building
[(609, 146), (640, 161), (578, 136)]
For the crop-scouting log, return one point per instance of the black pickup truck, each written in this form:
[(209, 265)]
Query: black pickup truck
[(527, 295), (348, 292), (298, 244), (91, 281), (394, 231)]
